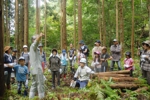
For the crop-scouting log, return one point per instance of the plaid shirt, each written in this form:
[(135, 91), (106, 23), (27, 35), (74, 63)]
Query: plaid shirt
[(146, 64)]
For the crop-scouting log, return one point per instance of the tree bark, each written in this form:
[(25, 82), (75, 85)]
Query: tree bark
[(79, 20), (103, 25), (17, 26), (2, 84), (117, 35), (148, 2), (117, 72), (132, 35), (111, 75), (120, 79), (37, 17), (74, 23), (121, 32), (26, 22), (63, 25), (7, 24), (124, 86), (45, 26), (99, 19)]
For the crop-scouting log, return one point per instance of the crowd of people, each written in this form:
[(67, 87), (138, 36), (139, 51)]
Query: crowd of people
[(33, 63)]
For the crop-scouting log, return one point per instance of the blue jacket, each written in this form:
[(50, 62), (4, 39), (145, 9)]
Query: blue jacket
[(8, 59)]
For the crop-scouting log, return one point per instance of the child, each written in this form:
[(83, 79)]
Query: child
[(54, 64), (96, 62), (64, 60), (22, 75), (128, 63), (104, 58)]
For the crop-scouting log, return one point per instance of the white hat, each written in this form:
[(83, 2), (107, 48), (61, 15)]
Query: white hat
[(114, 40), (21, 58), (25, 46), (83, 60)]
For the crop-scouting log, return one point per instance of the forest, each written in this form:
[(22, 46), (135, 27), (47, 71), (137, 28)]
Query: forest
[(65, 22)]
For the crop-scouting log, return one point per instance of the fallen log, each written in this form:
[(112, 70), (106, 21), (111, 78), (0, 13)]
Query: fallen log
[(116, 72), (141, 89), (120, 79), (111, 75), (124, 86)]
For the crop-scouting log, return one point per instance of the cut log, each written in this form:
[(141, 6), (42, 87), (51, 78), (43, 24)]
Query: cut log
[(117, 72), (141, 89), (120, 79), (111, 75), (124, 86)]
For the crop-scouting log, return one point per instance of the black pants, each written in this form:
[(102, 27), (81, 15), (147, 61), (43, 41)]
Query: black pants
[(146, 75), (57, 75), (7, 78), (20, 83)]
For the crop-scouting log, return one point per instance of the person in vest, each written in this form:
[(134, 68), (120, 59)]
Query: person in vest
[(26, 55), (64, 61), (115, 54), (97, 47), (145, 61), (36, 69), (8, 64), (72, 58), (104, 59), (43, 56), (54, 66), (82, 74), (84, 50)]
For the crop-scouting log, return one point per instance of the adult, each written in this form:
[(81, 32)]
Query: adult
[(145, 59), (84, 50), (72, 58), (36, 69), (82, 74), (43, 56), (8, 64), (96, 48), (116, 54), (54, 65)]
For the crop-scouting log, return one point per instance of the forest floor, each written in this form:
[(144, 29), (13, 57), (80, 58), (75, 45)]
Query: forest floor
[(98, 89)]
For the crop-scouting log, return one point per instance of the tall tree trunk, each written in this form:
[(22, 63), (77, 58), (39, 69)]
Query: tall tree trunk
[(148, 1), (7, 25), (74, 23), (17, 26), (63, 25), (79, 20), (37, 16), (26, 22), (121, 32), (2, 89), (99, 19), (3, 5), (45, 26), (103, 24), (117, 35), (132, 36)]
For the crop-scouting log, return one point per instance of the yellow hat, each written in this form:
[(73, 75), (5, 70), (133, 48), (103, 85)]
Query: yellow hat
[(7, 48)]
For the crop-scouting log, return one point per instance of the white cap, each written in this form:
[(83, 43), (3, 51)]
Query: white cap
[(83, 60), (114, 40), (21, 58), (25, 46)]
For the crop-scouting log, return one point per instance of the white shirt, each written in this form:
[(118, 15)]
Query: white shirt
[(83, 73)]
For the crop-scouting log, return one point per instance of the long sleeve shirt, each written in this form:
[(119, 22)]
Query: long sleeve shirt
[(96, 49), (35, 58), (83, 73), (115, 52), (146, 63)]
